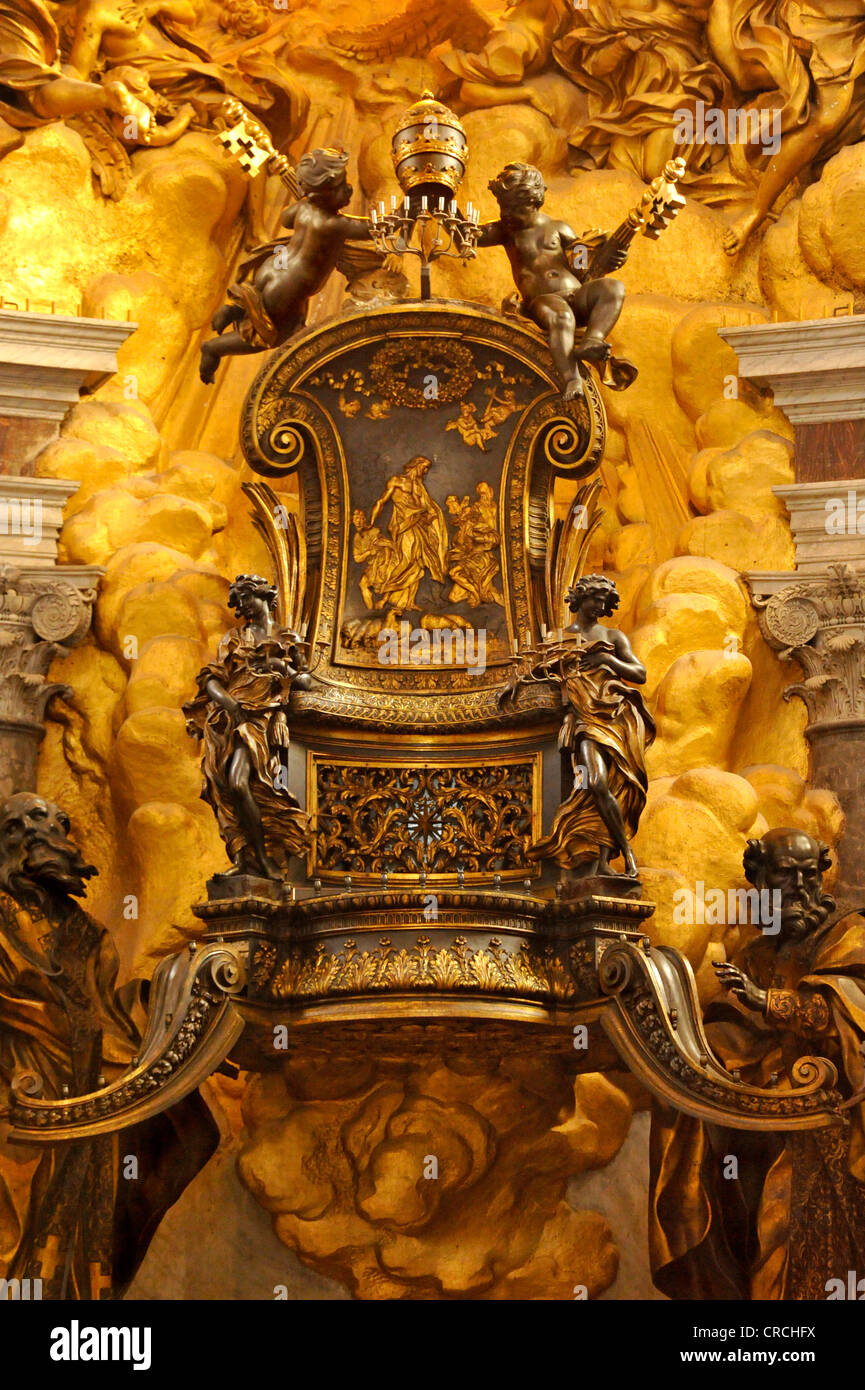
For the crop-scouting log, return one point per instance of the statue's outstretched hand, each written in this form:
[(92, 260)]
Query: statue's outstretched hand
[(737, 982)]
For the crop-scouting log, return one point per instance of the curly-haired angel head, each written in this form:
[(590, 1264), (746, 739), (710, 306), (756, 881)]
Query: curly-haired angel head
[(518, 185), (324, 172), (593, 586)]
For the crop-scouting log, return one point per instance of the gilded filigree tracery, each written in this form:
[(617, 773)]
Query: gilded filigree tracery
[(438, 819)]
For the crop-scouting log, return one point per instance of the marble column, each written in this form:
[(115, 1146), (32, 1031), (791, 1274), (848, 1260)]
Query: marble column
[(44, 611), (816, 616), (46, 362)]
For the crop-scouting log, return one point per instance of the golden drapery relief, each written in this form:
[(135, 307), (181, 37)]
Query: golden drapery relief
[(644, 67)]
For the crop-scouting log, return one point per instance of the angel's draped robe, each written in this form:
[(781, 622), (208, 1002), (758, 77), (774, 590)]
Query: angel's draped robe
[(614, 717), (262, 731)]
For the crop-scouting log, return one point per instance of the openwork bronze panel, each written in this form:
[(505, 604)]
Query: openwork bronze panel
[(439, 817)]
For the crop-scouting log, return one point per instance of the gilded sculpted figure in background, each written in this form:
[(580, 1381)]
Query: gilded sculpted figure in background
[(473, 561), (517, 48), (36, 86), (805, 59), (418, 539), (240, 716), (605, 734), (545, 257), (795, 1218), (73, 1224), (637, 62), (138, 68), (641, 63)]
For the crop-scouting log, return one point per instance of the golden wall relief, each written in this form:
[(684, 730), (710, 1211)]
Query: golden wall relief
[(751, 94), (426, 552), (128, 75)]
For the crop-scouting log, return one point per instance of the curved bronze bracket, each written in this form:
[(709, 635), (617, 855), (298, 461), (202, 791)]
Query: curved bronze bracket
[(192, 1026), (646, 999), (656, 1026)]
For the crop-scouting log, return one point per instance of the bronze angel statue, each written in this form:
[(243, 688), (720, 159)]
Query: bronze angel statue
[(270, 300), (240, 716), (605, 732)]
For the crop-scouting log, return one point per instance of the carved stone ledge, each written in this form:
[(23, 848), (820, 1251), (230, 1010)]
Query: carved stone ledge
[(46, 360), (31, 518), (812, 508), (816, 369)]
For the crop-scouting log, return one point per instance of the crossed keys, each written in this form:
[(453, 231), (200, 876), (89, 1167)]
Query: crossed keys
[(251, 145), (660, 204)]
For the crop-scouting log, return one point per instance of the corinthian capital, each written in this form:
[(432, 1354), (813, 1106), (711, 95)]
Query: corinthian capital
[(820, 622)]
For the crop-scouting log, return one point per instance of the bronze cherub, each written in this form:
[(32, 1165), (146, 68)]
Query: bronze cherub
[(545, 258), (286, 273)]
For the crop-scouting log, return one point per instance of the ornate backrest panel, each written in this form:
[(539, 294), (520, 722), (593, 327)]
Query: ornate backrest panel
[(424, 559)]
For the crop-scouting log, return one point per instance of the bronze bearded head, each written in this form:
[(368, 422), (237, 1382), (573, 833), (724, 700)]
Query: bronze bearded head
[(38, 861), (791, 864)]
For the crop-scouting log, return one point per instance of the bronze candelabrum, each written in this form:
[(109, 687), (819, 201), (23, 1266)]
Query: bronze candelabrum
[(436, 227)]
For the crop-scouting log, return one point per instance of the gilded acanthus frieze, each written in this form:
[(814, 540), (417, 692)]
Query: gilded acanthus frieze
[(392, 966)]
